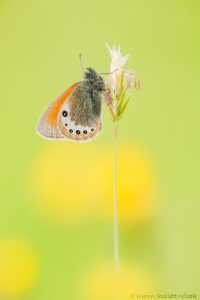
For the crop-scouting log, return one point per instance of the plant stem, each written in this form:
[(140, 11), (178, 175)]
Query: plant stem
[(115, 204)]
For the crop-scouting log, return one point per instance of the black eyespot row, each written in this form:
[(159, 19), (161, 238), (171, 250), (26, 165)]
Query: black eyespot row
[(85, 131), (66, 124), (64, 113), (92, 129), (78, 132), (71, 130)]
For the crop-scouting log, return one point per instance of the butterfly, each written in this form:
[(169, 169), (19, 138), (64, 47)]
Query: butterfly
[(76, 113)]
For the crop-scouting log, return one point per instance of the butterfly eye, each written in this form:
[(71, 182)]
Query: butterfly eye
[(64, 113)]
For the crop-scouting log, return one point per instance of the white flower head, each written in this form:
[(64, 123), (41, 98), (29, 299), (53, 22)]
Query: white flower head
[(119, 81), (118, 61), (116, 67)]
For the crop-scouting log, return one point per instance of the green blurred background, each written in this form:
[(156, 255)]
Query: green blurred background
[(56, 239)]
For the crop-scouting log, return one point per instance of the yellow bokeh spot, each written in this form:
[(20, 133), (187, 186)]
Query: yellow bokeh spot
[(74, 181), (61, 180), (105, 284), (18, 267), (135, 184)]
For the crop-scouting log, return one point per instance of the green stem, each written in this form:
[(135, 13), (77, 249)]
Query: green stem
[(115, 204)]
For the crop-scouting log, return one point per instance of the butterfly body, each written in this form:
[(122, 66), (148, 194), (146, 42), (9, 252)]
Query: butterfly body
[(76, 114)]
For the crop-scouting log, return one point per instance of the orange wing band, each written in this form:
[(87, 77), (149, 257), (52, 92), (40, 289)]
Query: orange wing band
[(53, 112)]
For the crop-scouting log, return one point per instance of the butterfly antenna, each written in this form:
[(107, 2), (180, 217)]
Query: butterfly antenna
[(81, 62), (109, 72)]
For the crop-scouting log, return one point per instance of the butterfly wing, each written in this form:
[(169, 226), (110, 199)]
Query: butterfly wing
[(76, 130), (48, 125)]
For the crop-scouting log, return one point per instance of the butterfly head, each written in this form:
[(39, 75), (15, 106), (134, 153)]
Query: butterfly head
[(94, 81)]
